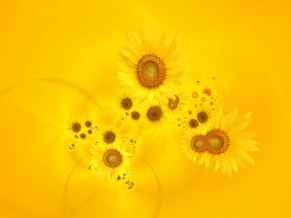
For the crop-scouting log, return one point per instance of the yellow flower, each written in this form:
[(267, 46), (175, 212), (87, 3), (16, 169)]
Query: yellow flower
[(110, 161), (155, 115), (108, 135), (223, 147), (175, 106), (150, 66)]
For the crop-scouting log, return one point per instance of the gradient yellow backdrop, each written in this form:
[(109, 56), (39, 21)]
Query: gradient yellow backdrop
[(58, 61)]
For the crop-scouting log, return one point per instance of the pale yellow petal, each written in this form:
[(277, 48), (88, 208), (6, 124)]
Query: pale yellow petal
[(175, 73), (224, 121), (217, 162), (172, 45), (161, 46), (170, 87), (127, 61), (222, 162), (124, 67), (231, 121), (245, 145), (154, 41), (243, 119), (239, 128), (129, 55), (245, 156), (243, 135), (151, 95)]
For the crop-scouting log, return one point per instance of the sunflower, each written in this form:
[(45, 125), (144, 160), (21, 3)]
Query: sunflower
[(150, 66), (175, 106), (155, 114), (110, 161), (206, 116), (108, 135), (194, 145), (224, 146)]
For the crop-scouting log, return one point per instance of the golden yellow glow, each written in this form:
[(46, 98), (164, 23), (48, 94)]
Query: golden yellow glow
[(58, 67)]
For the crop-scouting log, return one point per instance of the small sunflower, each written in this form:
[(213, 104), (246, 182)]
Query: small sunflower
[(194, 146), (108, 135), (155, 114), (175, 106), (224, 146), (111, 161), (150, 66), (206, 116)]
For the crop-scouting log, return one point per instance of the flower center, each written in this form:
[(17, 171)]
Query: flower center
[(109, 137), (173, 104), (126, 103), (193, 123), (112, 158), (217, 141), (150, 71), (202, 117), (198, 143), (76, 127), (207, 92), (135, 115), (82, 135), (154, 113), (88, 124)]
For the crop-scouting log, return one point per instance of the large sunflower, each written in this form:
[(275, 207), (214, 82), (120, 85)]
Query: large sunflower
[(223, 147), (111, 161), (150, 65)]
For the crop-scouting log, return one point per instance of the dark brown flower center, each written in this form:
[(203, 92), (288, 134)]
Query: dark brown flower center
[(126, 103), (82, 135), (88, 124), (135, 115), (109, 137), (193, 123), (154, 113), (202, 117), (76, 127)]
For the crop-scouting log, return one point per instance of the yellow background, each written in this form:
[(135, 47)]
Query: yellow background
[(72, 46)]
